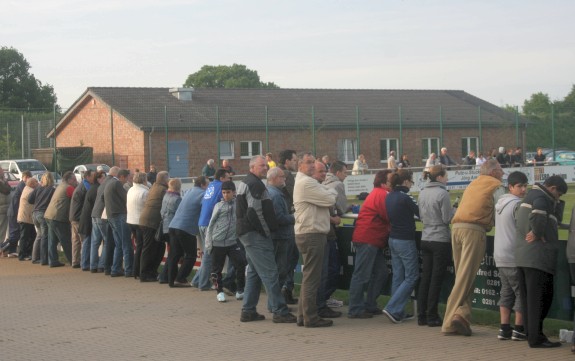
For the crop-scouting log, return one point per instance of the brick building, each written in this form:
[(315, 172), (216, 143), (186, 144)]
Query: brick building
[(179, 129)]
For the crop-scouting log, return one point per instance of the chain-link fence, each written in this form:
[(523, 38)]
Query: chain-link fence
[(197, 132)]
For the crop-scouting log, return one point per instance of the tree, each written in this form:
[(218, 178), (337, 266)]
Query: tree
[(223, 76), (7, 148), (19, 88), (538, 105)]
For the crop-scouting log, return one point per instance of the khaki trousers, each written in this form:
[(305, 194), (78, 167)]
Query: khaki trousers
[(76, 244), (311, 246), (468, 245)]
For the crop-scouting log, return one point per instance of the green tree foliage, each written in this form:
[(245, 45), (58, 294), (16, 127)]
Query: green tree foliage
[(223, 76), (18, 87), (8, 148)]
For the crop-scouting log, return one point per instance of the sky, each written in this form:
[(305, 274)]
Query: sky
[(500, 51)]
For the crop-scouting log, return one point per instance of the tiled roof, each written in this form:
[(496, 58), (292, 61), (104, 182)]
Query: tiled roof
[(288, 108)]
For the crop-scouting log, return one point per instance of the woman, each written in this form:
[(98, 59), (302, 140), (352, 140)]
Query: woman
[(401, 209), (369, 240), (40, 198), (435, 212), (404, 162), (359, 166), (480, 159), (431, 161), (25, 221), (136, 199), (170, 204)]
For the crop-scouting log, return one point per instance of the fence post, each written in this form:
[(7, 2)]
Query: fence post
[(357, 128), (218, 133), (166, 134), (267, 132), (480, 130), (54, 115), (517, 126), (112, 134), (553, 129), (313, 129), (400, 132), (22, 137)]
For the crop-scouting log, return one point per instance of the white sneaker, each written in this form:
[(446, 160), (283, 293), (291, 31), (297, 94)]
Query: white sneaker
[(332, 302), (239, 296), (221, 297)]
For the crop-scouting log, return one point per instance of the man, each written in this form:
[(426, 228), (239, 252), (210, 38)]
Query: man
[(209, 170), (212, 196), (57, 216), (228, 167), (536, 254), (502, 157), (445, 159), (285, 219), (75, 211), (255, 222), (13, 227), (334, 179), (270, 161), (474, 217), (470, 160), (518, 157), (391, 163), (115, 200), (183, 234), (288, 163), (152, 174), (5, 190), (150, 218), (100, 222), (312, 202)]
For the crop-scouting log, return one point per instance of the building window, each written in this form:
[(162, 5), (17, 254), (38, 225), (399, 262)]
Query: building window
[(250, 148), (468, 144), (428, 146), (386, 146), (347, 150), (226, 149)]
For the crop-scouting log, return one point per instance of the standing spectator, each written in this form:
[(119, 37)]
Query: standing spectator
[(404, 162), (115, 199), (270, 161), (391, 163), (504, 256), (401, 209), (41, 197), (221, 242), (57, 216), (135, 200), (359, 166), (170, 204), (5, 190), (184, 231), (10, 246), (509, 157), (539, 158), (312, 223), (431, 161), (435, 212), (209, 169), (570, 252), (228, 167), (27, 232), (470, 160), (285, 232), (480, 159), (288, 163), (325, 161), (152, 175), (255, 222), (474, 217), (75, 211), (150, 218), (91, 236), (445, 159), (370, 238), (502, 157), (212, 196), (536, 254), (101, 231), (518, 157)]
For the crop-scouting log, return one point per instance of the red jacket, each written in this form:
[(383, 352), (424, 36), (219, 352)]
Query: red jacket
[(372, 225)]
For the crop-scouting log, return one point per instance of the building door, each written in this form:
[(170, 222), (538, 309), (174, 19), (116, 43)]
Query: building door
[(178, 158)]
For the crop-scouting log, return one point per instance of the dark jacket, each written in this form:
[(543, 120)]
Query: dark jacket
[(401, 207), (285, 219), (115, 198), (541, 213), (85, 226), (255, 209), (41, 197), (99, 203), (77, 202)]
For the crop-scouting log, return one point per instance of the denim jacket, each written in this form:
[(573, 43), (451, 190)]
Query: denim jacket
[(285, 220)]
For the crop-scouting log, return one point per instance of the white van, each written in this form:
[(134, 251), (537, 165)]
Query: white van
[(18, 166)]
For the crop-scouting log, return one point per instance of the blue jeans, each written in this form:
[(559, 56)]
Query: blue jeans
[(405, 268), (262, 269), (293, 260), (98, 261), (202, 277), (59, 232), (369, 269), (42, 225), (86, 249), (124, 250)]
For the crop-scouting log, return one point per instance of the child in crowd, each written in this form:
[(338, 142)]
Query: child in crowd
[(221, 241), (504, 255)]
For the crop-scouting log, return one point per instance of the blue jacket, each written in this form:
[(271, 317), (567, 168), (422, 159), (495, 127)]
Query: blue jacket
[(188, 213), (212, 196), (285, 220), (401, 207)]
